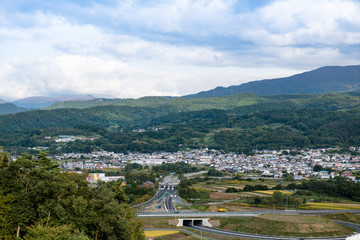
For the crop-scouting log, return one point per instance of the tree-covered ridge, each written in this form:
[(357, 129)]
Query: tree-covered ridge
[(144, 110), (325, 120), (37, 201), (222, 102)]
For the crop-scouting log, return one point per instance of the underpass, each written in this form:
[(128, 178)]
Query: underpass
[(190, 222)]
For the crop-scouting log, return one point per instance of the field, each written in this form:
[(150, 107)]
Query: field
[(222, 195), (158, 233), (271, 192), (334, 206)]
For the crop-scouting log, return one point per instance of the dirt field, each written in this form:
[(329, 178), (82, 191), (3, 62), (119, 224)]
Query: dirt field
[(222, 195)]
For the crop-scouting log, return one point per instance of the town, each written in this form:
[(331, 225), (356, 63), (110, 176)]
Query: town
[(301, 164)]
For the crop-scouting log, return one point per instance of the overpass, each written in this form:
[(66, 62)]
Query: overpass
[(249, 213)]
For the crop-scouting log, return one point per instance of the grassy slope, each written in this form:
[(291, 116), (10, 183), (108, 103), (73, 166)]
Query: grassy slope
[(348, 217), (286, 225)]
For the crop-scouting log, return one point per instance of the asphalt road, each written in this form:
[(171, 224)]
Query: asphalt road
[(167, 195), (244, 213)]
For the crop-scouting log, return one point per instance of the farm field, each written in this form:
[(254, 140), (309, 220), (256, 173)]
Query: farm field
[(334, 206), (159, 233), (271, 192)]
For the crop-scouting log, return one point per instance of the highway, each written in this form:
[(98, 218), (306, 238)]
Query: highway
[(167, 195), (248, 213)]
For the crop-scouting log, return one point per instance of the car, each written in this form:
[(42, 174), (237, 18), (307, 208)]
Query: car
[(221, 210)]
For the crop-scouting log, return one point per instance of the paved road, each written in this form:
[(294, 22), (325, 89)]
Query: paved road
[(189, 175), (244, 213), (169, 204), (166, 194)]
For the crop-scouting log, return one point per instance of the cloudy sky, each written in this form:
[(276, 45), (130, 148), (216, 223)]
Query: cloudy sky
[(134, 48)]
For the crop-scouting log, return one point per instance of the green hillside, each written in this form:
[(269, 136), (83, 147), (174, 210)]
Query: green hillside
[(232, 123), (243, 100), (181, 104)]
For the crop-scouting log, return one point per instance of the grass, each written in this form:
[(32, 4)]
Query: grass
[(286, 225), (346, 216), (201, 208), (158, 233), (334, 206), (182, 207), (157, 223)]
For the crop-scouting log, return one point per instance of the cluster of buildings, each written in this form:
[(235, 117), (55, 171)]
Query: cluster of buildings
[(272, 164)]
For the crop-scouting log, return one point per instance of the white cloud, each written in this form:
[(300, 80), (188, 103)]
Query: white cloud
[(171, 47), (306, 22), (74, 74)]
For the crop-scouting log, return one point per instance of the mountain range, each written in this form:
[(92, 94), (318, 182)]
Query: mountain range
[(321, 80), (31, 103), (42, 102)]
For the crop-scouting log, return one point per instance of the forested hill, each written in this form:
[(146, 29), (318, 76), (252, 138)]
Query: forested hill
[(6, 108), (322, 80), (233, 123)]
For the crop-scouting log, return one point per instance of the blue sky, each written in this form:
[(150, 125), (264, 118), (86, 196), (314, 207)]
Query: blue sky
[(134, 48)]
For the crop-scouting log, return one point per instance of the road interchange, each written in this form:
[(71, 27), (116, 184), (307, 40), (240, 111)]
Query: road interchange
[(167, 195)]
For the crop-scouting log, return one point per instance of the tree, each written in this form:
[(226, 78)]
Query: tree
[(288, 177), (231, 190), (214, 172), (120, 195), (317, 168), (39, 202), (5, 217), (278, 197), (63, 232)]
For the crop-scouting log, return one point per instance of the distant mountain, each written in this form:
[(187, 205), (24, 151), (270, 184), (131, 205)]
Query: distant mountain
[(6, 108), (42, 102), (321, 80), (2, 101)]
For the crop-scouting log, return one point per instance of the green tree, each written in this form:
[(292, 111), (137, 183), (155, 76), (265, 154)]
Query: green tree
[(317, 168), (36, 198), (5, 217), (37, 232), (278, 197)]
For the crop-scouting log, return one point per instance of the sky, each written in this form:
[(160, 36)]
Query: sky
[(135, 48)]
